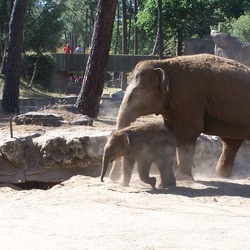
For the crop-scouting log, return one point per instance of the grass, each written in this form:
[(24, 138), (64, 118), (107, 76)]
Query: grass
[(26, 92)]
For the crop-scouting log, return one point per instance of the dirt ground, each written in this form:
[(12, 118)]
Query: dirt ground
[(83, 213)]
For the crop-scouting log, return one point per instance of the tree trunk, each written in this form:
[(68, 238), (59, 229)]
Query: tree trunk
[(178, 44), (124, 28), (158, 45), (160, 37), (129, 26), (85, 36), (117, 30), (34, 71), (135, 29), (12, 67), (1, 46), (116, 74), (124, 42), (88, 101)]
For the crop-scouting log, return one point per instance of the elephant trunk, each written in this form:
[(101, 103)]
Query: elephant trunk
[(125, 117), (105, 164)]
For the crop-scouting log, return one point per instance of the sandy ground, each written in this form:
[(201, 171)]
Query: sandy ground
[(83, 213)]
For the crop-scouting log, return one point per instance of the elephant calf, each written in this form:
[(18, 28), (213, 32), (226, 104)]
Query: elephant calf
[(143, 144)]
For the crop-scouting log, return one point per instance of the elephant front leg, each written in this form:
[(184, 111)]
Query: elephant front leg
[(115, 173), (185, 155), (225, 163), (128, 166)]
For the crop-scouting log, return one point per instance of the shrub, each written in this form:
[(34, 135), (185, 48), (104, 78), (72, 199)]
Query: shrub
[(43, 64)]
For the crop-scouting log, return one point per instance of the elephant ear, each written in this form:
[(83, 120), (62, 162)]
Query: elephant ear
[(164, 82), (125, 142)]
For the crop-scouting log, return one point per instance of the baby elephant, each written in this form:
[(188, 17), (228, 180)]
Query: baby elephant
[(143, 144)]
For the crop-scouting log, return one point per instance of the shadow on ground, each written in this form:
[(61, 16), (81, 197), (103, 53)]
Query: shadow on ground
[(209, 188)]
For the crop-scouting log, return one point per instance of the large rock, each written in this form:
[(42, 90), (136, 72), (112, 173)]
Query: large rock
[(39, 118), (52, 157), (50, 119), (230, 47), (22, 153)]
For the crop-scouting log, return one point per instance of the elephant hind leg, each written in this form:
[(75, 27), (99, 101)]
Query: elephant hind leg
[(167, 175), (225, 163), (144, 168)]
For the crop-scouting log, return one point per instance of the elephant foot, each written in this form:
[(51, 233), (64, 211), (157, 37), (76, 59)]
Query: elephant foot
[(125, 184), (167, 184), (152, 181), (184, 177), (115, 178)]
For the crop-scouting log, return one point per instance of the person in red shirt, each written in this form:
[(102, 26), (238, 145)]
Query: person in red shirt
[(67, 49)]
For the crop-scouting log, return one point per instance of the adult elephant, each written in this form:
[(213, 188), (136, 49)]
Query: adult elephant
[(194, 94)]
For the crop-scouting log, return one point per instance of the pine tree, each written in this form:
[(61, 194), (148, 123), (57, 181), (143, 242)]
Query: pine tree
[(12, 58), (88, 101)]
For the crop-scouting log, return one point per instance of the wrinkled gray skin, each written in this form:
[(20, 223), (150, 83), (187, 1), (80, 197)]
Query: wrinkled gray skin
[(230, 47), (195, 94), (144, 144)]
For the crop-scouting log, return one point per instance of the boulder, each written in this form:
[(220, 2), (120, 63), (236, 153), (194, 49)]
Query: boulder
[(21, 153), (231, 47), (9, 173), (82, 120), (39, 118)]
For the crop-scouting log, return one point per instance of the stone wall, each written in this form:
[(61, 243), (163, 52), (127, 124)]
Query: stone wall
[(230, 47), (198, 46), (52, 157)]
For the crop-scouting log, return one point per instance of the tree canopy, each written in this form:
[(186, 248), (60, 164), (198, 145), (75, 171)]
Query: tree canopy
[(50, 24), (184, 19)]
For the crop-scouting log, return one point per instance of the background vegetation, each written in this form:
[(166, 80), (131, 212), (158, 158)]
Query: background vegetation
[(50, 24)]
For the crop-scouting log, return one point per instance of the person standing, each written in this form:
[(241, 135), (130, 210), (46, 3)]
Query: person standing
[(67, 49), (79, 50)]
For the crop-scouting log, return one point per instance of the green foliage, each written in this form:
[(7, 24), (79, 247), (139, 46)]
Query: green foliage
[(241, 27), (50, 24), (43, 26), (147, 24), (185, 18), (78, 19), (5, 12), (45, 67)]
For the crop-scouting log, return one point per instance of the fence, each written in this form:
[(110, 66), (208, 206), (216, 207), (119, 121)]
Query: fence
[(118, 63)]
